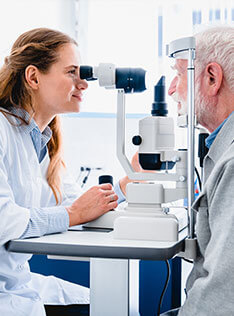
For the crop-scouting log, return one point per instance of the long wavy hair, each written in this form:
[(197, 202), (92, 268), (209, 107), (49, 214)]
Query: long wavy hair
[(38, 47)]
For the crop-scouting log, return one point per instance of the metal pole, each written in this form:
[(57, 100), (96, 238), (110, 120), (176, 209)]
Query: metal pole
[(114, 287), (120, 132), (191, 139)]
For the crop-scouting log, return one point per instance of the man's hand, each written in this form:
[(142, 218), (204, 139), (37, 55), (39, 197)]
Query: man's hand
[(135, 163), (137, 168), (92, 204)]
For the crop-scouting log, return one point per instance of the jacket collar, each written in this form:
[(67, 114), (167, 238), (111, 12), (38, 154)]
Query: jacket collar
[(223, 140), (31, 124)]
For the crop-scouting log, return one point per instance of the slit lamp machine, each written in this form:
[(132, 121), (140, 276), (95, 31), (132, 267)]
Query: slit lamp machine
[(145, 217)]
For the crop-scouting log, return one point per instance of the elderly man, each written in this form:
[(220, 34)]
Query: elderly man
[(210, 286)]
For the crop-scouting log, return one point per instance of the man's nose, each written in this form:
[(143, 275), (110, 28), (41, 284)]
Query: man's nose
[(172, 87)]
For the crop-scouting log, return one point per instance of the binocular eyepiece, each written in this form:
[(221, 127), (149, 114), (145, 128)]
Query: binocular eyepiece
[(86, 72), (129, 79)]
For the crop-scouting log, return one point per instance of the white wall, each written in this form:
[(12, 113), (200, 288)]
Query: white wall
[(90, 141), (18, 16)]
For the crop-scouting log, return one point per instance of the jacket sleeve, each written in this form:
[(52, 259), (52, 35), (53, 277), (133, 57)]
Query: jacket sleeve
[(20, 222), (118, 191), (54, 219), (13, 218), (212, 294)]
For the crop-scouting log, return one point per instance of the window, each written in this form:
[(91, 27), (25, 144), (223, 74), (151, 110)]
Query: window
[(134, 33)]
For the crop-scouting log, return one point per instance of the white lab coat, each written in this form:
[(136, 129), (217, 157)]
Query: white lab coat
[(22, 186)]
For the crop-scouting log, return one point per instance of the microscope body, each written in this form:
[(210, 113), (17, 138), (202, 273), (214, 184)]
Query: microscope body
[(144, 216)]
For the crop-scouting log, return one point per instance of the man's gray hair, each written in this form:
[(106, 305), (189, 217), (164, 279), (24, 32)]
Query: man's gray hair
[(216, 44)]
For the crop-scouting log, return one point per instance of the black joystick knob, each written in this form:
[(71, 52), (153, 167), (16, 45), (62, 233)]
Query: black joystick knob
[(105, 179), (159, 107), (137, 140)]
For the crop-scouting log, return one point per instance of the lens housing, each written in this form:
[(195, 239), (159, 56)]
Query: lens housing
[(129, 79)]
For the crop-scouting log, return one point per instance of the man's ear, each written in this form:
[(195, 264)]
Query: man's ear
[(213, 78), (32, 76)]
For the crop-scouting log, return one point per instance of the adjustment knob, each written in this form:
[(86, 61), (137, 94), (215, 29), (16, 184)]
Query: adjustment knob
[(137, 140), (105, 179)]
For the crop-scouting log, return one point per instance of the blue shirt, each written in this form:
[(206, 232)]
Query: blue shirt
[(210, 139), (39, 139)]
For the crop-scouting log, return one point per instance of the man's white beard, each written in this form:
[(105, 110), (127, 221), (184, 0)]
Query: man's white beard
[(204, 106), (182, 106)]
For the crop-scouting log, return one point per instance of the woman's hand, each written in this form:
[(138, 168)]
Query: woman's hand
[(97, 201)]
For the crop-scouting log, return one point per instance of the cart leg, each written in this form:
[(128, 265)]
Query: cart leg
[(114, 287)]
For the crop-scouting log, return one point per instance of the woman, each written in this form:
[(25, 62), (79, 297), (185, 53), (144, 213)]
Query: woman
[(38, 81)]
